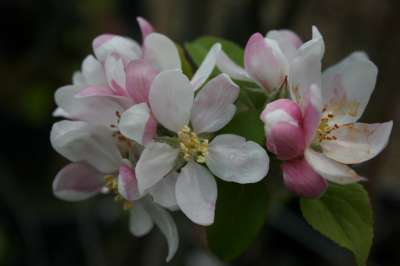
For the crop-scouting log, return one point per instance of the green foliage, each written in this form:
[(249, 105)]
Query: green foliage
[(240, 214), (343, 214), (186, 67)]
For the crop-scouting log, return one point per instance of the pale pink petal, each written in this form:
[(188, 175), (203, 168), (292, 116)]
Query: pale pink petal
[(163, 192), (145, 27), (77, 181), (93, 71), (314, 46), (78, 79), (206, 67), (347, 87), (287, 40), (96, 90), (115, 74), (161, 52), (138, 124), (357, 143), (155, 162), (227, 66), (311, 112), (331, 170), (196, 193), (265, 62), (127, 183), (107, 44), (171, 99), (301, 179), (82, 142), (214, 105), (139, 76), (233, 159)]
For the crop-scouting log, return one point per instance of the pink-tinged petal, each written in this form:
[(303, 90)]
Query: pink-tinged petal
[(115, 74), (171, 99), (139, 76), (330, 169), (140, 221), (213, 106), (145, 27), (287, 40), (167, 226), (301, 179), (161, 52), (265, 62), (347, 87), (281, 111), (233, 159), (93, 71), (227, 66), (96, 110), (311, 113), (357, 143), (96, 90), (107, 44), (82, 142), (206, 67), (127, 183), (196, 193), (138, 124), (163, 192), (77, 181), (286, 141), (155, 162)]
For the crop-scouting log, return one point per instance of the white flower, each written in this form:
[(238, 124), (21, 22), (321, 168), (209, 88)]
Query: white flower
[(97, 166), (192, 119)]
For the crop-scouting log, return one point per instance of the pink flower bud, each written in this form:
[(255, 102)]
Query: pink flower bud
[(301, 179), (283, 128)]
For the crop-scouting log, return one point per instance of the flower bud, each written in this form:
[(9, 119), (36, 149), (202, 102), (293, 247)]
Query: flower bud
[(283, 127), (301, 179)]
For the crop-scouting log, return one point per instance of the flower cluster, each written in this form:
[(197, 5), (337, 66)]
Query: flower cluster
[(137, 128)]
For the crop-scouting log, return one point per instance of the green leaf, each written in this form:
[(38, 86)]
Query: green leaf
[(199, 48), (186, 67), (248, 125), (240, 214), (344, 215)]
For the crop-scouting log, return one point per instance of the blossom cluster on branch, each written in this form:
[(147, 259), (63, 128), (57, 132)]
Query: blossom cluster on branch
[(140, 128)]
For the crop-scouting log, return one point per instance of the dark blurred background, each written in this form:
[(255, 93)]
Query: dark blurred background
[(43, 42)]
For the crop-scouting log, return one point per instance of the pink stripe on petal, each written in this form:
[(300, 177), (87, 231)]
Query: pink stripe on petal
[(301, 179), (150, 129), (127, 183), (145, 27), (102, 39), (95, 91)]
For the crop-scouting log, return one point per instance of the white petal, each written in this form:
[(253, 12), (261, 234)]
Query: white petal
[(314, 46), (347, 87), (156, 161), (356, 143), (226, 65), (164, 191), (234, 159), (78, 79), (167, 226), (133, 122), (331, 170), (171, 99), (161, 52), (287, 40), (115, 73), (140, 222), (96, 110), (93, 71), (107, 44), (196, 193), (213, 106), (77, 181), (206, 67), (59, 112), (81, 142)]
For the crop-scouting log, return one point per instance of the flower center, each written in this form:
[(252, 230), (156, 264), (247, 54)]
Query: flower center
[(325, 128), (192, 147), (112, 186)]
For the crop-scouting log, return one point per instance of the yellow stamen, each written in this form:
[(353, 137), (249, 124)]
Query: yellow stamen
[(192, 146), (325, 128), (112, 185)]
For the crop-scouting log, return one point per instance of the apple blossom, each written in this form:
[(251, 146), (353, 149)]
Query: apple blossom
[(268, 60), (98, 166), (327, 126), (191, 120)]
